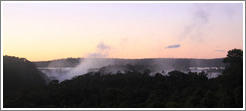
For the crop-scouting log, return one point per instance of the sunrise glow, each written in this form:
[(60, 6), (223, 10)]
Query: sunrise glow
[(46, 31)]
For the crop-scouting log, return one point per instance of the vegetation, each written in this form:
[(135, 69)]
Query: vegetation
[(154, 63), (68, 62), (20, 73), (134, 89)]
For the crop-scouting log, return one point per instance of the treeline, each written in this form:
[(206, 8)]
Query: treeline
[(69, 62), (19, 73), (138, 90), (155, 63)]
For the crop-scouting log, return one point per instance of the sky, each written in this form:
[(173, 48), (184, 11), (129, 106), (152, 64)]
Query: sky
[(47, 31)]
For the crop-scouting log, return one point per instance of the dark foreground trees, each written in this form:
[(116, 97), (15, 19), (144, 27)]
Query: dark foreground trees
[(20, 73), (138, 90), (231, 88)]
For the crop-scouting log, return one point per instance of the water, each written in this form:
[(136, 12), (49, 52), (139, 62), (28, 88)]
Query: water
[(212, 72), (56, 73)]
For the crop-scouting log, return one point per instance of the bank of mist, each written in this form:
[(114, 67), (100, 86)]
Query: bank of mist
[(64, 69), (24, 87)]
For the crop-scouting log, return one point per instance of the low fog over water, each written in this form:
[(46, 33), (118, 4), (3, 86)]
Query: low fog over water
[(60, 71)]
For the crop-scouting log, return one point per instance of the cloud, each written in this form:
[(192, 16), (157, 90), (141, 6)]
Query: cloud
[(220, 50), (201, 16), (97, 55), (173, 46), (102, 51), (196, 28), (102, 46), (90, 61)]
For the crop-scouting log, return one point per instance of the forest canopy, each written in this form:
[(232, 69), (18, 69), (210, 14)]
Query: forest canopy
[(24, 87)]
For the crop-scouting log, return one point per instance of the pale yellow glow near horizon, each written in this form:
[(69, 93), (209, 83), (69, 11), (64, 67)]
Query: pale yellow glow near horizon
[(41, 32)]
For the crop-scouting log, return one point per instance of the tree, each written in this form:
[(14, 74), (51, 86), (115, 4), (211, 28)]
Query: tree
[(233, 73), (231, 82), (234, 56), (133, 89)]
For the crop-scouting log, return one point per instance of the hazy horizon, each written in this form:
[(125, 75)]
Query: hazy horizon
[(48, 31), (111, 58)]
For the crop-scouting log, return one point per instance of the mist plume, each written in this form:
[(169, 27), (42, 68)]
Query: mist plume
[(196, 27), (92, 60)]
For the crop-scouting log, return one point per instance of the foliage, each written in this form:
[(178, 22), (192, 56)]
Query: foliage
[(20, 73), (134, 89), (234, 56)]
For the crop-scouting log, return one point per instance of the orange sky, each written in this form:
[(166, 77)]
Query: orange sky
[(43, 31)]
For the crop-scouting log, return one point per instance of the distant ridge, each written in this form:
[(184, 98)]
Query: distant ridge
[(184, 62)]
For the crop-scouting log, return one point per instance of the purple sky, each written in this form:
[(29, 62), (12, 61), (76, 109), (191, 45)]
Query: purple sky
[(42, 31)]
